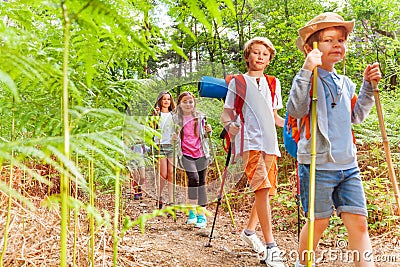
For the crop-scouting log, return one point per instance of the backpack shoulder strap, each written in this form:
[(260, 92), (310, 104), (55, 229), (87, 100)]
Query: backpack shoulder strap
[(271, 80), (305, 121), (228, 78), (240, 94), (353, 103), (239, 101)]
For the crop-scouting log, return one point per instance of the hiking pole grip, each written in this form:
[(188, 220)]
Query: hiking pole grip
[(391, 172)]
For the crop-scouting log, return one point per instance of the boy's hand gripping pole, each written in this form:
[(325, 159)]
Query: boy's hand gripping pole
[(313, 158), (392, 174)]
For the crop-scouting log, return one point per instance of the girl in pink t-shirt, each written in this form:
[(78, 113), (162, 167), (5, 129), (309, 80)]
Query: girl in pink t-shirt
[(193, 152)]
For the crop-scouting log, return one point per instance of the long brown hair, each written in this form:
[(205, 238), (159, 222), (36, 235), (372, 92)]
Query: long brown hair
[(158, 102), (154, 112), (179, 112)]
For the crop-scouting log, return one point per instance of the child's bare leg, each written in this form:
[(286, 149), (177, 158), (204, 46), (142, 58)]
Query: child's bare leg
[(319, 227), (142, 176), (141, 179), (162, 170), (253, 220), (263, 210), (169, 178), (357, 228), (134, 180)]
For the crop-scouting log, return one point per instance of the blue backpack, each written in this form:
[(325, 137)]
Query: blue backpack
[(291, 135), (291, 132)]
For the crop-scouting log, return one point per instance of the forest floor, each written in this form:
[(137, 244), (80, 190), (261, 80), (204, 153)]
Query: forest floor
[(167, 242), (34, 233), (34, 238)]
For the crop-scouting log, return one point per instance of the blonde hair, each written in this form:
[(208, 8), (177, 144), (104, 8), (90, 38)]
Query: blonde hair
[(259, 40)]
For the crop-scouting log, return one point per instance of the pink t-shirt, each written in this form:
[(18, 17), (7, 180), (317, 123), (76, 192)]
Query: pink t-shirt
[(191, 143)]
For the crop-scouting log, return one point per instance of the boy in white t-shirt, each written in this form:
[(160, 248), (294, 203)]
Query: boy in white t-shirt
[(260, 147)]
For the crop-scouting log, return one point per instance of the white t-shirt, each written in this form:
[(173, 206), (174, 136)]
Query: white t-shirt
[(166, 126), (259, 127)]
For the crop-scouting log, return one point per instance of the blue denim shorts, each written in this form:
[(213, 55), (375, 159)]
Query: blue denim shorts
[(340, 189)]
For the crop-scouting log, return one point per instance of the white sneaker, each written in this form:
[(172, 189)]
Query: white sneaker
[(253, 241), (297, 264), (272, 258)]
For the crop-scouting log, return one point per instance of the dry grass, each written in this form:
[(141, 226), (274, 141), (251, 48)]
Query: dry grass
[(34, 235)]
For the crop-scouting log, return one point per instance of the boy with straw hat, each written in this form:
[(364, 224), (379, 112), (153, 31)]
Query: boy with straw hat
[(337, 176)]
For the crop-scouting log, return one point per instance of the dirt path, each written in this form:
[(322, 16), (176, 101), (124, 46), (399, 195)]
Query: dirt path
[(34, 239), (173, 243)]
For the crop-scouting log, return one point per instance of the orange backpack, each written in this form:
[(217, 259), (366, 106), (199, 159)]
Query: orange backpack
[(239, 101)]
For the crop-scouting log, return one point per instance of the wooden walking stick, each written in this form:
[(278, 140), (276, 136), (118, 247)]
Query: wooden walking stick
[(392, 174), (313, 161)]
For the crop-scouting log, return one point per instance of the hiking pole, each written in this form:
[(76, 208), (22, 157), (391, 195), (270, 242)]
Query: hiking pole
[(154, 172), (159, 176), (298, 201), (220, 178), (174, 172), (228, 158), (313, 160), (392, 174)]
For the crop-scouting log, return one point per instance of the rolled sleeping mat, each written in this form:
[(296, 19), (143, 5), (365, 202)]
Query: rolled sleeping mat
[(212, 87)]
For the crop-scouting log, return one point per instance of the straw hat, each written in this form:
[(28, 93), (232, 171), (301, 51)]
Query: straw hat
[(322, 21)]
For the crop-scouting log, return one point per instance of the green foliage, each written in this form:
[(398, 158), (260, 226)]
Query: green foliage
[(368, 131), (120, 58)]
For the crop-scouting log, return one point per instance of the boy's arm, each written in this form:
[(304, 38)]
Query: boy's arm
[(364, 103), (365, 99), (226, 116), (299, 98), (228, 123), (279, 121)]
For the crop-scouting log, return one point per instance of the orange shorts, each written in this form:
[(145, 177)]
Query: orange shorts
[(261, 170)]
